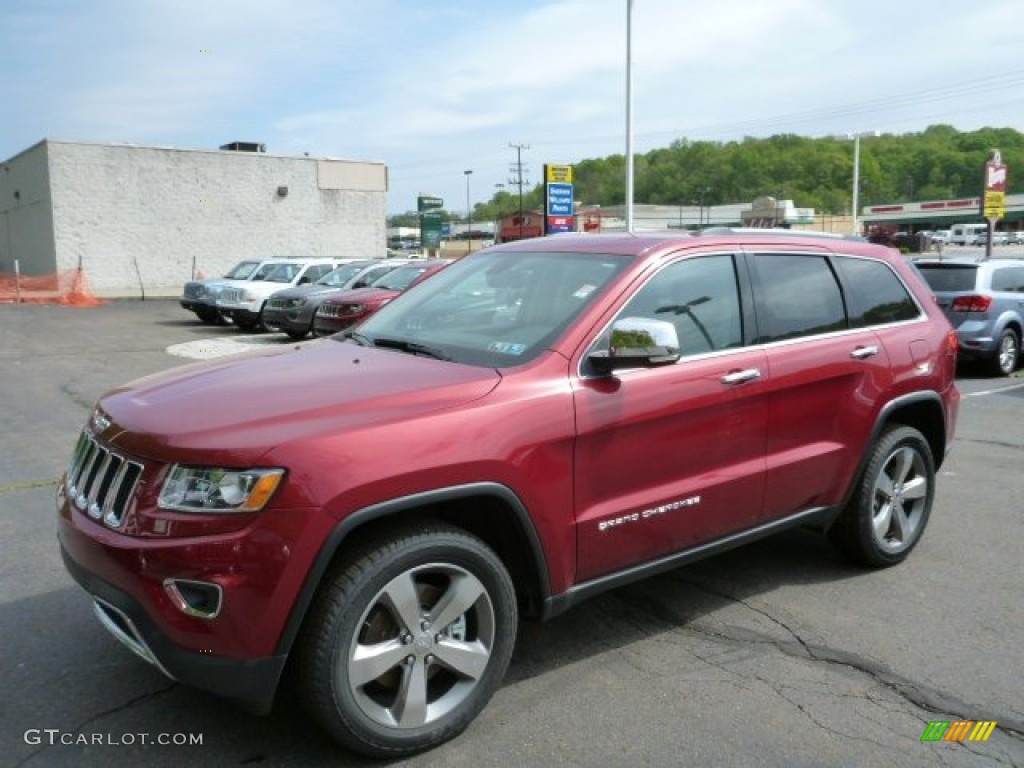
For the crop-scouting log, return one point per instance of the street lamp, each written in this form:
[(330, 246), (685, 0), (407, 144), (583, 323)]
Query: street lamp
[(856, 171), (629, 115), (469, 215)]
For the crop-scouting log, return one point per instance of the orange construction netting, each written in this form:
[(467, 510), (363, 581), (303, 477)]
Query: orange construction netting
[(69, 287)]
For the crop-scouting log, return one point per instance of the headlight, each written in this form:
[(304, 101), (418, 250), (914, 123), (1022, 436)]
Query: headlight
[(352, 309), (296, 302), (206, 489), (246, 296)]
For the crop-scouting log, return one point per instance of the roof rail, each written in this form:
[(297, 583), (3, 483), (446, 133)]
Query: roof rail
[(778, 231)]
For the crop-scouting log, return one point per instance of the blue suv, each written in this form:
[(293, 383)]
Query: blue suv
[(984, 301)]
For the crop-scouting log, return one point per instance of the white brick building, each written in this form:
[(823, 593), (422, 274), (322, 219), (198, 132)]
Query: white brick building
[(140, 218)]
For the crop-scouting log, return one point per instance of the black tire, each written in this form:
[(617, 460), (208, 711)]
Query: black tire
[(416, 685), (297, 335), (890, 508), (1004, 361)]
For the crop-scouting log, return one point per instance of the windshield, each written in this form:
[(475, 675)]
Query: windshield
[(338, 277), (284, 273), (242, 270), (401, 278), (948, 277), (493, 309)]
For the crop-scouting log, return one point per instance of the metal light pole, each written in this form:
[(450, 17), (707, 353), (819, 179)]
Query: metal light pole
[(469, 215), (855, 213), (629, 115)]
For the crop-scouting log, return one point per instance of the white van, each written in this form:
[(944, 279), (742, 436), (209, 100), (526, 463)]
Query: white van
[(967, 234)]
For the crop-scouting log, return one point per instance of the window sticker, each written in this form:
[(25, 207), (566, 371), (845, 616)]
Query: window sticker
[(506, 348), (584, 290)]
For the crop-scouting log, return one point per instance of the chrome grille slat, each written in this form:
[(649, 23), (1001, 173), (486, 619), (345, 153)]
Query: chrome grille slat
[(328, 310), (101, 483)]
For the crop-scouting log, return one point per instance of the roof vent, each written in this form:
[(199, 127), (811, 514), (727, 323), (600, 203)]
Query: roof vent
[(244, 146)]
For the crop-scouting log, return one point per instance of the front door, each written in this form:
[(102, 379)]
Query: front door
[(673, 456)]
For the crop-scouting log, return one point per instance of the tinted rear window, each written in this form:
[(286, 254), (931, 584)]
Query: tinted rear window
[(876, 295), (958, 277)]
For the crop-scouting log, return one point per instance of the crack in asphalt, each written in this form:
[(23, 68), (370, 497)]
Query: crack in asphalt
[(75, 398), (28, 484), (77, 729), (923, 697), (997, 443)]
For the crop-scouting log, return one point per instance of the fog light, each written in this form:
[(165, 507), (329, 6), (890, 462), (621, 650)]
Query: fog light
[(195, 598)]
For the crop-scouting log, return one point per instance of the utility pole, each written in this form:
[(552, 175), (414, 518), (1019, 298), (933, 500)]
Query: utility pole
[(518, 181)]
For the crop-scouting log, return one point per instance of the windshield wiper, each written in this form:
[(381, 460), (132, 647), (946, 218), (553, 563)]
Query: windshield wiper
[(412, 348), (359, 338)]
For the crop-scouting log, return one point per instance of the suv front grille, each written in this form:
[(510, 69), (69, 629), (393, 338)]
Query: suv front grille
[(329, 310), (100, 482), (230, 295)]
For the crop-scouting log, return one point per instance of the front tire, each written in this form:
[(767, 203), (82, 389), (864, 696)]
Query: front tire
[(889, 510), (1004, 361), (407, 640)]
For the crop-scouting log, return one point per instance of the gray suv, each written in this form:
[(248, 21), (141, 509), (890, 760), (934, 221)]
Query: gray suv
[(984, 301)]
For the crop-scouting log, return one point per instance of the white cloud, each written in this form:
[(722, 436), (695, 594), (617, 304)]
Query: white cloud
[(436, 88)]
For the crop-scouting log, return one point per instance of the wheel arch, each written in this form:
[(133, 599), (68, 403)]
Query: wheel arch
[(921, 410), (490, 511)]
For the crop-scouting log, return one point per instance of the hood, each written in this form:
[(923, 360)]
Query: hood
[(232, 412), (306, 289), (360, 295)]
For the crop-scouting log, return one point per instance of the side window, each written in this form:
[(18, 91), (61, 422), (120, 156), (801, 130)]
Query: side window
[(1008, 279), (699, 296), (876, 294), (795, 295)]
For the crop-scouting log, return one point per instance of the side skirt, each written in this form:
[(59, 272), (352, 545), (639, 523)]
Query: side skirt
[(556, 604)]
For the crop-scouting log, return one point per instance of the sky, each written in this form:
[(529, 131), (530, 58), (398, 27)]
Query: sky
[(434, 89)]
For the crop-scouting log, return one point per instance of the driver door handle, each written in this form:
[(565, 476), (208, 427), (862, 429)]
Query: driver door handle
[(738, 377)]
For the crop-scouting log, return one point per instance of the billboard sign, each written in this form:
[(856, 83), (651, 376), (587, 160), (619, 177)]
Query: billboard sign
[(431, 220), (558, 198)]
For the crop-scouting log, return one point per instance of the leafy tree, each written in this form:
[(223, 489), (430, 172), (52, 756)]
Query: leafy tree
[(939, 162)]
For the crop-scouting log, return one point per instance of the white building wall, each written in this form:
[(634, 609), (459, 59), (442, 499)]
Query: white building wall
[(137, 218), (26, 223)]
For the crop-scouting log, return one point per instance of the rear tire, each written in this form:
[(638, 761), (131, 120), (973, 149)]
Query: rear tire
[(407, 640), (889, 510), (1004, 361)]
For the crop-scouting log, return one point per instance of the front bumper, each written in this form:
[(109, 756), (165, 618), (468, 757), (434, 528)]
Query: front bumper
[(290, 319), (197, 305), (252, 682), (235, 651), (325, 326)]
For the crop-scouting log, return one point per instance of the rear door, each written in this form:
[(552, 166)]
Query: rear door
[(824, 379)]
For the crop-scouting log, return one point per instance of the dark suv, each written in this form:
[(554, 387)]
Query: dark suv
[(536, 423), (984, 300)]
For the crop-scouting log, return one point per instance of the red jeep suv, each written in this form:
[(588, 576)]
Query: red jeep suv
[(536, 423)]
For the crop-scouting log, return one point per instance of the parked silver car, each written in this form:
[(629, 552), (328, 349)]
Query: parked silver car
[(984, 301)]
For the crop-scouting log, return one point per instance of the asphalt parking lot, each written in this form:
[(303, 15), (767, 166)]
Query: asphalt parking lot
[(777, 654)]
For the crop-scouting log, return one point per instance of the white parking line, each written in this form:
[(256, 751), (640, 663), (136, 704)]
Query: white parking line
[(993, 391)]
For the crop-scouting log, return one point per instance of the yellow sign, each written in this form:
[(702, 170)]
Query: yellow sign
[(995, 204), (559, 174)]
